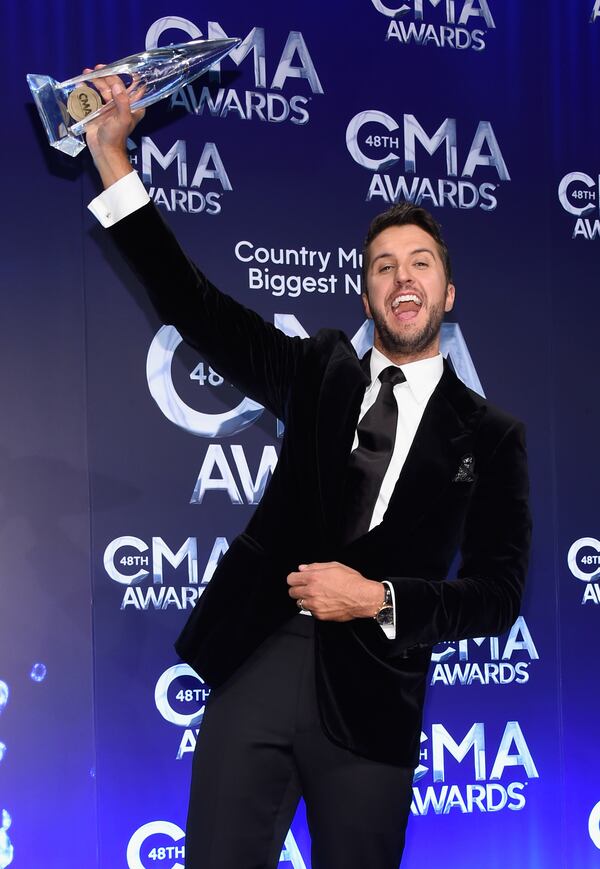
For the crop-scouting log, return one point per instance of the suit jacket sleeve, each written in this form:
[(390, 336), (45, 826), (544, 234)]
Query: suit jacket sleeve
[(250, 353), (485, 597)]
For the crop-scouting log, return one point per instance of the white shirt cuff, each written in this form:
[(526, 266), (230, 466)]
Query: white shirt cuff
[(121, 199), (390, 630)]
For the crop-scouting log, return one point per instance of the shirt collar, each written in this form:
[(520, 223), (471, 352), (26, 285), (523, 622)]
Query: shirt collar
[(422, 376)]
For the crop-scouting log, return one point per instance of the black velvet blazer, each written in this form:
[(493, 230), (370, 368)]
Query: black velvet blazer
[(463, 485)]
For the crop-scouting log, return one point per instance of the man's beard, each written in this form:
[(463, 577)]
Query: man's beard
[(408, 344)]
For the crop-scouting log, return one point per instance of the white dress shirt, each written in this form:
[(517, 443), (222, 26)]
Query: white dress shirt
[(129, 194), (412, 396), (119, 200)]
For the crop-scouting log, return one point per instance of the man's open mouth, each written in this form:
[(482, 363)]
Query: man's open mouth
[(406, 306)]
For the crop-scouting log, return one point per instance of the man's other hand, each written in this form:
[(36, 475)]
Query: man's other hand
[(334, 592)]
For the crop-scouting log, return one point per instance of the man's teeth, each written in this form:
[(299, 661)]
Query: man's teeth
[(407, 297)]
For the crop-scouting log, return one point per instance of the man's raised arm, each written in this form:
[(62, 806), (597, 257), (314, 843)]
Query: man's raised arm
[(250, 353)]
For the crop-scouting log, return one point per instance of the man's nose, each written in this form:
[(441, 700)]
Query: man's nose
[(402, 274)]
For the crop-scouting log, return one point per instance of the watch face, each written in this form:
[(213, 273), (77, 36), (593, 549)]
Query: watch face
[(385, 616)]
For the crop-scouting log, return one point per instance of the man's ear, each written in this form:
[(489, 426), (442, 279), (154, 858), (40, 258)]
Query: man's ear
[(450, 294), (366, 306)]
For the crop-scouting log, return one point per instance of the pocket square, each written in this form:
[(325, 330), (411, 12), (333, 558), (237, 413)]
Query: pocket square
[(465, 473)]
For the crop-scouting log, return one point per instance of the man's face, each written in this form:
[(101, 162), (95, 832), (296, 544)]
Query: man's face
[(407, 293)]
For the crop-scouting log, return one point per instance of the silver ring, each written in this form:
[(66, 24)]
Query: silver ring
[(300, 603)]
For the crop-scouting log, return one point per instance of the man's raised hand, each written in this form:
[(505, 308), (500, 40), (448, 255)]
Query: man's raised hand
[(107, 135)]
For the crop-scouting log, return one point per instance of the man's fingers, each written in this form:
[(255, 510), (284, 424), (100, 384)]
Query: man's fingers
[(137, 114), (102, 84), (112, 87), (99, 83), (105, 84), (303, 575), (119, 95), (298, 592), (296, 579)]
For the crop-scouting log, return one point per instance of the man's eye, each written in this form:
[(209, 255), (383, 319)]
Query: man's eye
[(421, 264), (385, 268)]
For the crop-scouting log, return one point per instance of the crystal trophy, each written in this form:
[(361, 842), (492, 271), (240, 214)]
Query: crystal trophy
[(67, 107)]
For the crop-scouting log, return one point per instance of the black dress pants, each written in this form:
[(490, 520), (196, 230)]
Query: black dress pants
[(261, 747)]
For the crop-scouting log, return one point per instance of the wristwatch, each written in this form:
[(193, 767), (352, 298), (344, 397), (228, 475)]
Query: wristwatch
[(385, 613)]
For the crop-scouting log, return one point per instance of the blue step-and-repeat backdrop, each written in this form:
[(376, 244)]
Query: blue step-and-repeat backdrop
[(127, 463)]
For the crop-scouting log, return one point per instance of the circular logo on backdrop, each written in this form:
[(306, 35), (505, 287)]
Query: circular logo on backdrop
[(139, 851), (162, 389), (583, 559), (83, 101), (594, 825), (180, 696), (577, 193)]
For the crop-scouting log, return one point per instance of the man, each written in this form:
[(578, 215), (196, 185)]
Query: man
[(387, 466)]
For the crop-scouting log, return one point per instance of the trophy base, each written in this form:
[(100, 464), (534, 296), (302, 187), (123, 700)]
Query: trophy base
[(51, 102)]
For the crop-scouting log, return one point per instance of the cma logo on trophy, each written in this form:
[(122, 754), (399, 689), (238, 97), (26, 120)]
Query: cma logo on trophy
[(579, 195), (176, 186), (374, 141), (488, 792), (496, 663), (583, 560), (457, 24), (264, 101)]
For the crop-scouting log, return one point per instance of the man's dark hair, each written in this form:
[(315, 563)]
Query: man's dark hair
[(400, 215)]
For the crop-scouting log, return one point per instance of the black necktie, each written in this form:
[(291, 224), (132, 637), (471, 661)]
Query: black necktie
[(369, 461)]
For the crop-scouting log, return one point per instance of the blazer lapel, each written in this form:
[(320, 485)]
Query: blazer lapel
[(444, 437)]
